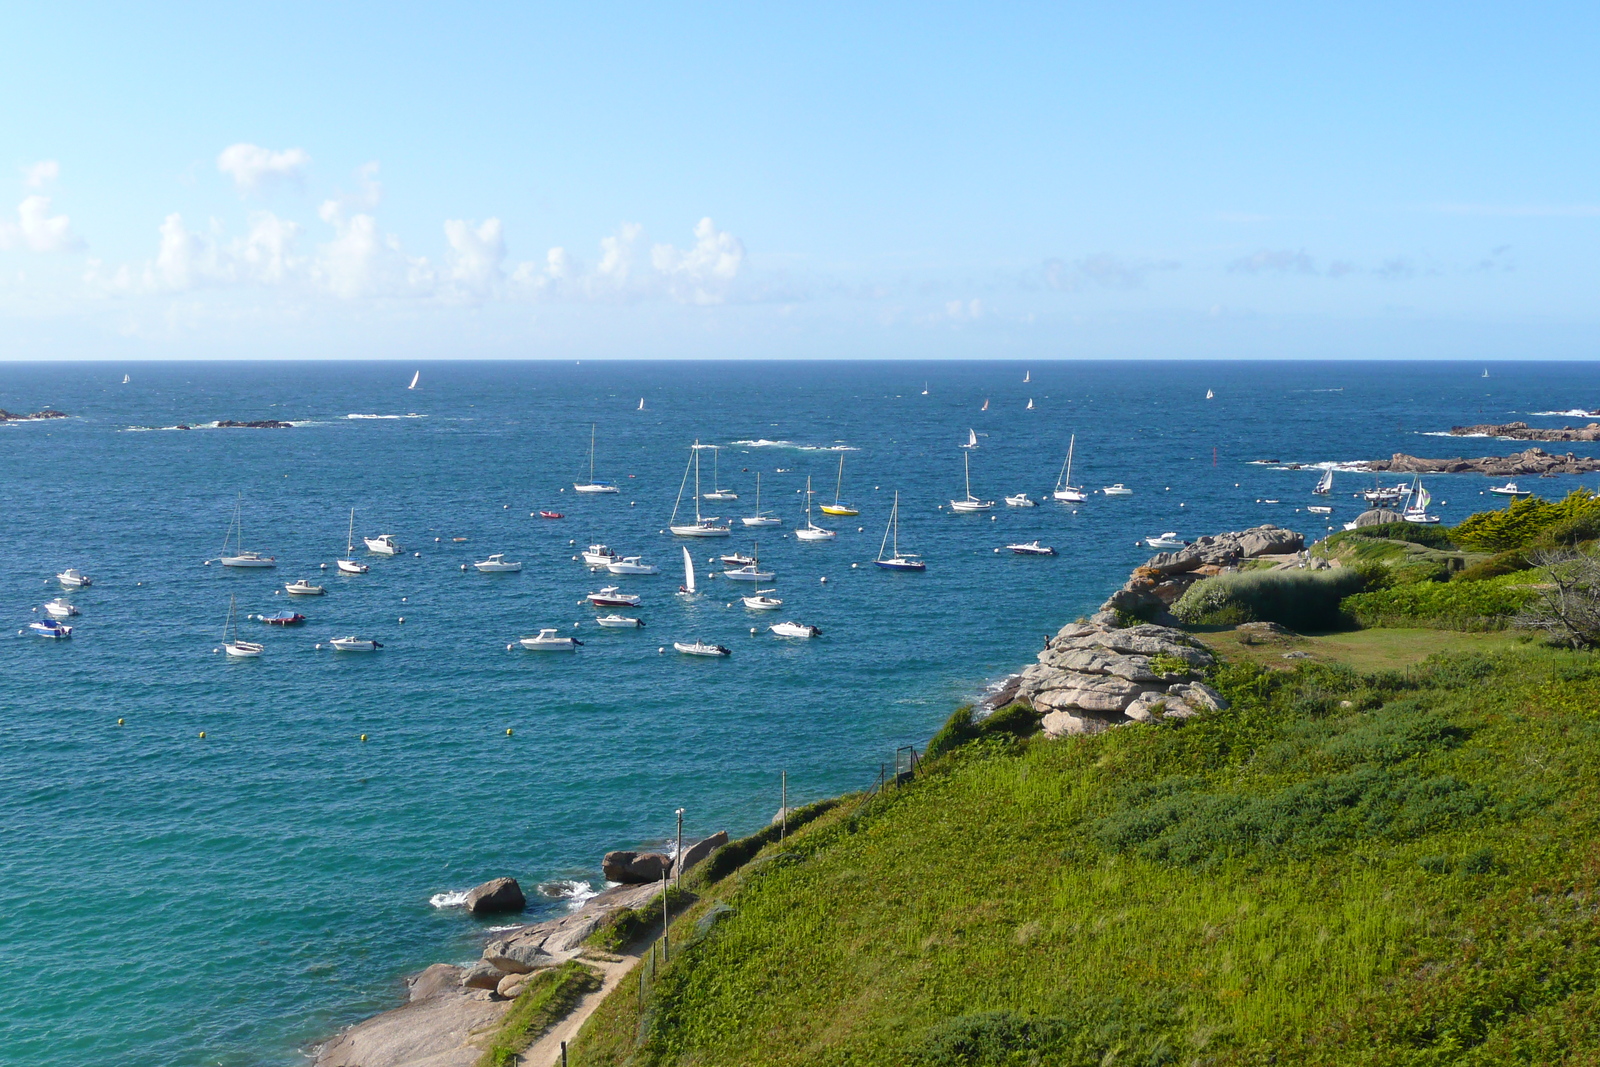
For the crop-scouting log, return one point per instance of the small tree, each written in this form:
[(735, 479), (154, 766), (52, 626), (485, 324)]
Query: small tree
[(1567, 605)]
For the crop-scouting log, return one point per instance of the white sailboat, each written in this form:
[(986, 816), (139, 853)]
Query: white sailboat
[(350, 565), (1325, 483), (1027, 376), (717, 492), (1416, 509), (687, 588), (811, 531), (1030, 403), (236, 647), (924, 388), (758, 519), (761, 602), (701, 527), (970, 503), (896, 560), (592, 486), (985, 404), (414, 379), (641, 403), (124, 379), (972, 439), (240, 557), (1210, 395), (1065, 490)]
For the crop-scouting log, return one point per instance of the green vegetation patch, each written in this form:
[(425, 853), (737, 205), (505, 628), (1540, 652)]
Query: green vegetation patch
[(1531, 522), (1488, 604), (1302, 600), (1008, 723), (548, 998), (626, 925)]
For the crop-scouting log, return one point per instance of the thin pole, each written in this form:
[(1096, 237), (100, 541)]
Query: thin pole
[(677, 862), (666, 921), (783, 807), (564, 1044)]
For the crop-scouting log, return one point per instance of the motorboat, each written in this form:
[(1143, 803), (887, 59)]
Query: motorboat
[(612, 597), (592, 486), (737, 559), (303, 588), (702, 526), (811, 531), (1384, 494), (1065, 491), (240, 557), (794, 629), (282, 618), (1317, 509), (759, 518), (354, 644), (896, 560), (717, 492), (498, 563), (550, 640), (632, 565), (1117, 490), (350, 565), (1510, 489), (750, 572), (50, 628), (236, 647), (1021, 500), (599, 556), (552, 515), (59, 608), (970, 503), (762, 602), (839, 507), (700, 648), (619, 622), (73, 578), (383, 545), (1166, 540), (1032, 548)]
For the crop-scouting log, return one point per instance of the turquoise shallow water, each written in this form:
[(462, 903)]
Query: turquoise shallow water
[(171, 901)]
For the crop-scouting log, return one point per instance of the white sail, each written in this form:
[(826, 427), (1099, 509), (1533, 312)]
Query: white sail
[(1027, 376), (1209, 395), (985, 404), (414, 378), (1325, 485), (1030, 403), (688, 571), (972, 439), (641, 403)]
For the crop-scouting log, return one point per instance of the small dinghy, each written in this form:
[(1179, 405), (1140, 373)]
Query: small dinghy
[(73, 578), (700, 648), (1021, 501), (1166, 540), (762, 602), (599, 556), (737, 559), (283, 618), (1317, 509), (619, 622), (632, 565), (612, 597), (50, 628), (551, 515), (303, 588), (1032, 548), (549, 640), (60, 609), (794, 629), (497, 563), (354, 644)]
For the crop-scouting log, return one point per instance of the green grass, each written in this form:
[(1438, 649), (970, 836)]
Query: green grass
[(1396, 867), (626, 925), (1487, 604), (547, 999), (1364, 650)]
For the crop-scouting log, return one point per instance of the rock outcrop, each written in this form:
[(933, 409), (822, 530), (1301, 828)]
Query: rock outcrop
[(703, 848), (1157, 585), (635, 868), (254, 424), (495, 897), (1533, 461), (1378, 517), (1521, 431), (558, 940), (47, 413)]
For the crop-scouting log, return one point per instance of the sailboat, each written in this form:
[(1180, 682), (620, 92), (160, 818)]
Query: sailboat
[(241, 558), (701, 527), (1210, 395), (124, 379), (1325, 483), (839, 507), (1027, 376), (924, 388), (641, 403), (1065, 490), (350, 565), (1030, 403), (750, 572), (718, 493), (971, 503), (236, 647), (414, 378), (1486, 372), (985, 404), (758, 519), (592, 486), (687, 588), (811, 531), (1416, 509), (972, 439), (896, 560)]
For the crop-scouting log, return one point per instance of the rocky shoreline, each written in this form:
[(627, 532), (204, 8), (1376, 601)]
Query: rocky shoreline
[(1521, 431), (47, 413), (1535, 461)]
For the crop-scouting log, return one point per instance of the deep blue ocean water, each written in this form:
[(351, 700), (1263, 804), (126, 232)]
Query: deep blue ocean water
[(166, 900)]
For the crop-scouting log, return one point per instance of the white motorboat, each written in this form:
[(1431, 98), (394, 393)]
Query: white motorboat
[(687, 588), (550, 640), (700, 648), (702, 526), (972, 435), (1325, 483), (599, 556), (303, 588), (750, 572), (896, 560), (592, 486), (240, 557), (794, 629), (970, 503), (383, 545), (59, 608), (350, 565), (354, 644), (632, 565), (1117, 490), (1065, 491), (1032, 548), (619, 622), (717, 492), (761, 602), (1510, 489), (1166, 540), (1021, 500), (73, 578), (839, 507), (1319, 510), (1416, 509), (50, 628), (760, 519), (811, 531), (236, 647), (737, 559), (497, 564), (612, 597)]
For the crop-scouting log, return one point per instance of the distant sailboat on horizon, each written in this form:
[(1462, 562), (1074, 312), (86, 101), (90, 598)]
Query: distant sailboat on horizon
[(924, 388), (1030, 403), (641, 403), (124, 379), (1210, 395), (1027, 376), (985, 404), (972, 439), (414, 378), (1485, 373)]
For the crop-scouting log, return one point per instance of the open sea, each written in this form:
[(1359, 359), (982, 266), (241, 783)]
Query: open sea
[(167, 900)]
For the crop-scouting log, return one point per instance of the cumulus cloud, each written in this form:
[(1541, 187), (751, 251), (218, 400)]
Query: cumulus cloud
[(360, 261), (476, 255), (1102, 269), (40, 174), (254, 168), (702, 274), (38, 230), (1277, 261)]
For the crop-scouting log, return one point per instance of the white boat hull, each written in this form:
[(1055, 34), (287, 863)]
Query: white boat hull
[(498, 568), (243, 649), (794, 629), (354, 644), (60, 609), (1070, 496), (595, 487), (698, 649), (745, 574), (701, 530), (815, 533), (382, 546), (719, 496), (762, 520), (966, 507), (762, 603), (72, 579), (248, 561), (56, 633), (554, 644), (632, 568), (350, 566), (304, 590), (1117, 490), (1020, 501), (619, 622)]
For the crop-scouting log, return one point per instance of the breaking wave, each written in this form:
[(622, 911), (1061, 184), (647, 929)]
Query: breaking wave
[(455, 898), (1575, 413), (408, 415)]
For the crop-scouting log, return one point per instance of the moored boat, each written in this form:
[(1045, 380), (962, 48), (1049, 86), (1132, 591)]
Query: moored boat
[(619, 622), (303, 587), (702, 526), (50, 628), (349, 564), (612, 597), (896, 560), (1032, 548), (632, 565), (236, 647), (1510, 489), (59, 608), (811, 531), (498, 563), (1020, 501), (550, 640), (839, 507), (1117, 490), (552, 515), (354, 644), (383, 545), (282, 618), (701, 648), (794, 629), (1167, 540), (73, 578), (970, 503), (599, 556), (592, 486), (760, 518), (761, 602), (240, 557), (1065, 491)]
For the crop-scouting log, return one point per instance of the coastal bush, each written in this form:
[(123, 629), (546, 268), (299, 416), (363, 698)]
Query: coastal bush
[(1496, 565), (548, 998), (1427, 535), (1525, 522), (626, 925), (1012, 721), (735, 854), (1305, 601), (1488, 604)]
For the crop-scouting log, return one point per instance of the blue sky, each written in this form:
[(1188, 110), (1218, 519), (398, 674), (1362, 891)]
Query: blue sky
[(745, 181)]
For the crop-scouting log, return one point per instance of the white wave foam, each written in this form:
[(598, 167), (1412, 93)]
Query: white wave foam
[(408, 415), (575, 891), (454, 898), (1575, 413), (762, 442)]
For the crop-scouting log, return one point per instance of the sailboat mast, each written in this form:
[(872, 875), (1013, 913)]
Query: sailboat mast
[(893, 514), (968, 465), (675, 503), (697, 517), (838, 486), (591, 453), (350, 537), (1072, 443)]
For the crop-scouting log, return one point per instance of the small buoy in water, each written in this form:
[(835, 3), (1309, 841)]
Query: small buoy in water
[(402, 619), (508, 648), (463, 566), (574, 559), (663, 648), (573, 543), (1183, 505), (1442, 502), (574, 626), (119, 722), (752, 631), (214, 651), (324, 566), (317, 647), (860, 528), (416, 555), (508, 731), (363, 737), (202, 735), (997, 550), (823, 578), (402, 600), (633, 503), (436, 539), (853, 566), (505, 505), (208, 562), (993, 518)]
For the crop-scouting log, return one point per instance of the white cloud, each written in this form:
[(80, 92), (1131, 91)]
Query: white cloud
[(185, 259), (703, 273), (475, 256), (36, 229), (617, 255), (1103, 269), (267, 253), (41, 173), (1281, 261), (361, 262), (254, 168)]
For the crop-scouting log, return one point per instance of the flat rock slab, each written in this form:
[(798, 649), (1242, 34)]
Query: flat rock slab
[(436, 1032), (557, 940)]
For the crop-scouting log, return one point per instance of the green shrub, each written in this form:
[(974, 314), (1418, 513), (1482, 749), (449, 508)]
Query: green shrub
[(1501, 563), (1478, 605), (1305, 601), (735, 854), (1523, 523), (1095, 1033), (1012, 721), (547, 999), (1429, 536), (623, 927)]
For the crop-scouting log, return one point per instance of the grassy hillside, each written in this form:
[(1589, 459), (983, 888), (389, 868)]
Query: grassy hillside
[(1391, 868)]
